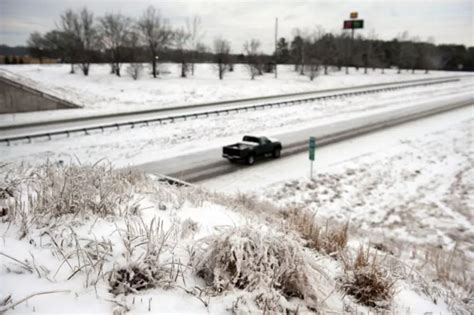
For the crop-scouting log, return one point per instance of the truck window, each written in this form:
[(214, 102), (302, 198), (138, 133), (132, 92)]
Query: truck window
[(251, 139)]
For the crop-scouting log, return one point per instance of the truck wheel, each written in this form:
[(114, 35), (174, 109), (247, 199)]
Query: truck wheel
[(276, 153), (250, 160)]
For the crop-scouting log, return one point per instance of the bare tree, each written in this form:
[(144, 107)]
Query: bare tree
[(312, 62), (380, 56), (428, 56), (407, 54), (304, 49), (181, 39), (367, 49), (114, 30), (55, 43), (156, 33), (68, 26), (320, 51), (222, 51), (135, 68), (194, 28), (253, 57), (297, 50), (85, 36), (327, 51), (341, 42), (36, 45)]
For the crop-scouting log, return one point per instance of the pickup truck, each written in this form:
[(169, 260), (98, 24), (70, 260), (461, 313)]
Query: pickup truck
[(252, 148)]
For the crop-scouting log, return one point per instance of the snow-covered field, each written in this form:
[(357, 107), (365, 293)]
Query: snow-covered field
[(90, 239), (101, 91), (122, 243), (141, 145), (416, 193)]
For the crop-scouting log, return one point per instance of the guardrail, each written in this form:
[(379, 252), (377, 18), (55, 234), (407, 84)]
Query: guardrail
[(218, 103), (195, 115), (173, 181)]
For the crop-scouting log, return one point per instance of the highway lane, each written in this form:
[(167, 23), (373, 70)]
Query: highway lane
[(33, 128), (209, 163), (344, 152)]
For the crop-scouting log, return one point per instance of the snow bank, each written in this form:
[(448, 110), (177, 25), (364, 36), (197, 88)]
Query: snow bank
[(165, 249)]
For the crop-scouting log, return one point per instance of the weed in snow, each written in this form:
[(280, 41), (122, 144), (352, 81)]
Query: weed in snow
[(329, 240), (366, 280)]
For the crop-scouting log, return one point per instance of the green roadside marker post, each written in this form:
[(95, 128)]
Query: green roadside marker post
[(312, 149)]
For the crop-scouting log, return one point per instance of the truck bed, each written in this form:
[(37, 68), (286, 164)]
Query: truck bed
[(241, 145), (237, 149)]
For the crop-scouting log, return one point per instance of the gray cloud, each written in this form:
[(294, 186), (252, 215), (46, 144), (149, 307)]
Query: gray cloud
[(448, 21)]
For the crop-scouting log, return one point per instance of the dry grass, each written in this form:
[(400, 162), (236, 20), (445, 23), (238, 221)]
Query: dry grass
[(249, 204), (451, 266), (144, 267), (57, 199), (329, 240), (366, 280), (249, 260), (450, 270), (54, 190)]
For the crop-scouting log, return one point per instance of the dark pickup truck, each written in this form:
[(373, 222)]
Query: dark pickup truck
[(252, 148)]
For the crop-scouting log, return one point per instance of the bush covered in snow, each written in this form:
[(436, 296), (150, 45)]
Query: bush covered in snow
[(259, 262), (135, 70)]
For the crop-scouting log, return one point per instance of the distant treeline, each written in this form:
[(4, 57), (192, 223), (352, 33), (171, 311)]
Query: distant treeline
[(81, 39)]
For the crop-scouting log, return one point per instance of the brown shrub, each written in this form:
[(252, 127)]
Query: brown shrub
[(329, 240), (366, 280)]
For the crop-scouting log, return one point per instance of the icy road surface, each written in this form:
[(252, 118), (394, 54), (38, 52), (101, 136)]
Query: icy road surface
[(262, 175), (159, 142)]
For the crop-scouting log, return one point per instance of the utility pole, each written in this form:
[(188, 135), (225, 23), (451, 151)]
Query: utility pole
[(351, 43), (276, 46)]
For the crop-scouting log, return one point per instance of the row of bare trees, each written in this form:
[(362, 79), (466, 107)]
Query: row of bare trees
[(315, 52), (79, 38)]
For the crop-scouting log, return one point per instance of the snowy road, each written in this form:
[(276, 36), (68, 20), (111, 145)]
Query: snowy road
[(208, 163), (169, 146), (75, 120), (298, 166)]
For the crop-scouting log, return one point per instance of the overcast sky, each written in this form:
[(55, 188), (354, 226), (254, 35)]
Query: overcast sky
[(445, 21)]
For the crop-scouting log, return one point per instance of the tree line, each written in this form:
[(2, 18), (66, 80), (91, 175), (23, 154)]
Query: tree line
[(13, 60), (80, 39)]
